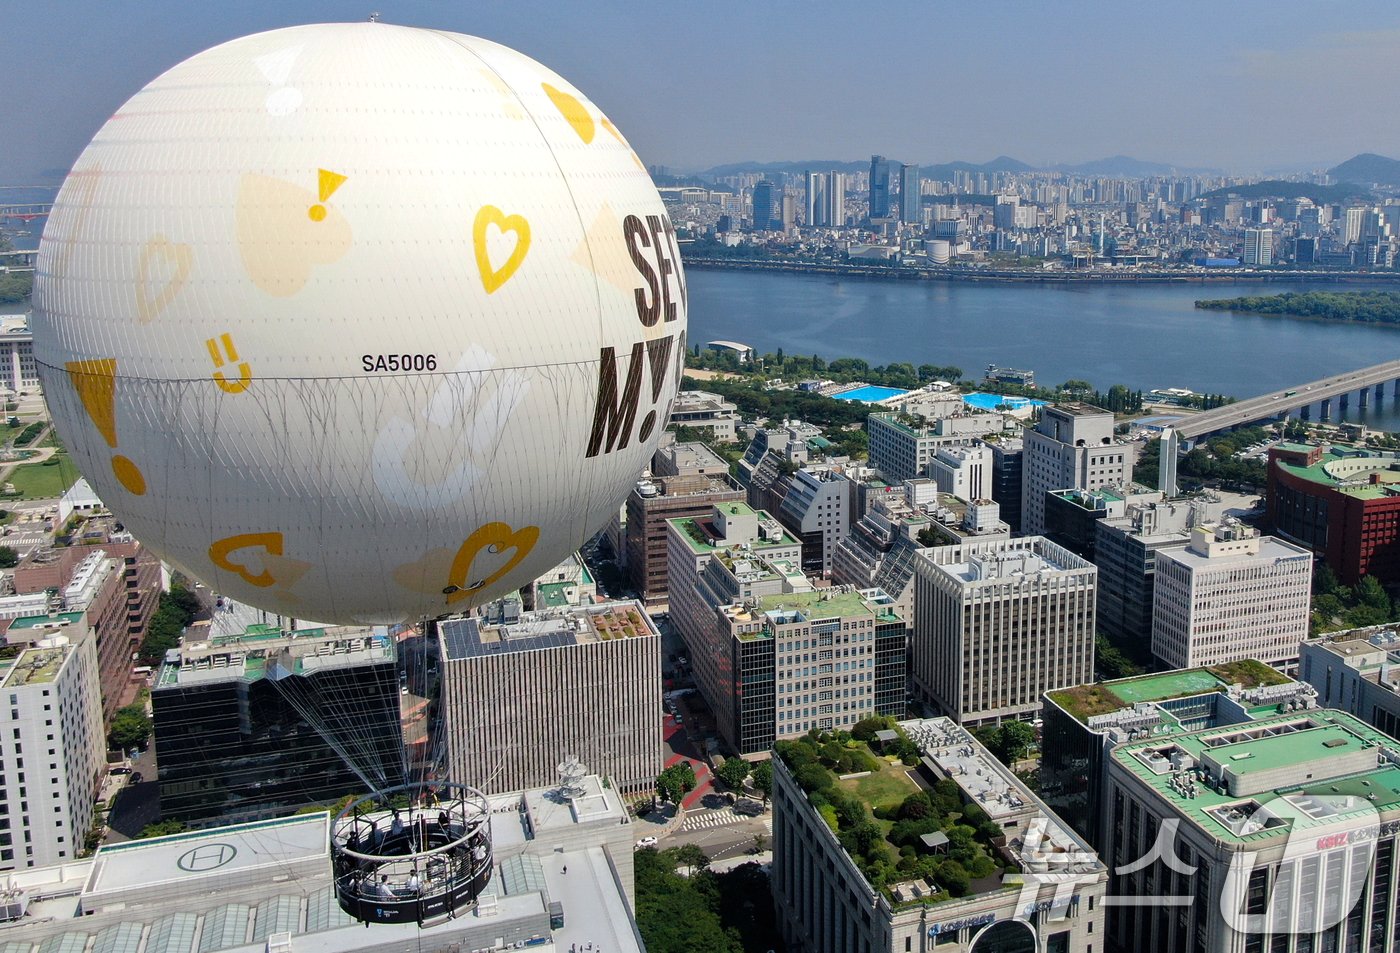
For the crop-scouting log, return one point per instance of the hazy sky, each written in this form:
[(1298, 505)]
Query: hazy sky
[(1246, 85)]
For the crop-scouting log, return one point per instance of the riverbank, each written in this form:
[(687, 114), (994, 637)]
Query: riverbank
[(1019, 276)]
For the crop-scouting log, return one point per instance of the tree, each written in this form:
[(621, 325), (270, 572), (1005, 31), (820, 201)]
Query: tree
[(161, 829), (692, 856), (675, 782), (762, 776), (131, 727), (1013, 741), (9, 559), (733, 772), (1076, 386)]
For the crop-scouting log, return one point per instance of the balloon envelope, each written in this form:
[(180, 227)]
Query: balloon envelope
[(358, 322)]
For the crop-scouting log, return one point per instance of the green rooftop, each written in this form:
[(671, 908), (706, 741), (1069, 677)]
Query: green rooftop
[(39, 621), (1085, 701), (1332, 754), (554, 595), (35, 667), (818, 604), (1348, 470)]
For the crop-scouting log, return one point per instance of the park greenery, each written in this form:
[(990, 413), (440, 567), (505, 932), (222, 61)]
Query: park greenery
[(131, 727), (9, 559), (175, 610), (1218, 462), (15, 286), (730, 912), (1368, 307), (1336, 606), (1009, 741), (884, 839)]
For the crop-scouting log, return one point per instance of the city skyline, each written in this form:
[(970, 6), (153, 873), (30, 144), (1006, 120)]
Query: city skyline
[(1264, 89)]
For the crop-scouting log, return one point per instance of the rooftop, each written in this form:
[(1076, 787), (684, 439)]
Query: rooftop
[(37, 666), (816, 604), (1256, 781), (1086, 701), (1078, 408), (266, 649), (1366, 474), (56, 621), (549, 628)]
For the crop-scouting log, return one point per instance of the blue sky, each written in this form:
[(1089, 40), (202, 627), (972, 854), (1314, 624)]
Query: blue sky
[(1247, 85)]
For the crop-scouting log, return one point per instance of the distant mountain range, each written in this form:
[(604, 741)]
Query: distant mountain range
[(1368, 168), (1115, 166), (1279, 189)]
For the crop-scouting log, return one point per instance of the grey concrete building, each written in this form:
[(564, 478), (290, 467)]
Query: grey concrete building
[(999, 623), (519, 698), (1072, 446), (1357, 671)]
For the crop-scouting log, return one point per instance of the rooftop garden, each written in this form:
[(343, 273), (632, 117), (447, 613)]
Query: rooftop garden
[(880, 816), (1086, 701)]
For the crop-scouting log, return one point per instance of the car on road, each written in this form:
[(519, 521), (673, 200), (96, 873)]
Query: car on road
[(646, 842)]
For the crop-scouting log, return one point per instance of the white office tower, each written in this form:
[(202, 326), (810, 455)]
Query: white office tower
[(1258, 246), (816, 199), (997, 624), (1230, 594), (1072, 447), (835, 200), (51, 746), (965, 472)]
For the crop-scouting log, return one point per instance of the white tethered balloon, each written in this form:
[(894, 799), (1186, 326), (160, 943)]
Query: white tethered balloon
[(360, 322)]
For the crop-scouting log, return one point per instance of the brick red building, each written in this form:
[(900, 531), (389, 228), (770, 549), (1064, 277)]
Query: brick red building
[(1340, 502), (117, 584)]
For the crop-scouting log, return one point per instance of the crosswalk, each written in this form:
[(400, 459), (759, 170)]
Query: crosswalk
[(720, 818)]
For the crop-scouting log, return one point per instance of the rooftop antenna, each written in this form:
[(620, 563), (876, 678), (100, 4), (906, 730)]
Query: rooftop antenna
[(374, 17)]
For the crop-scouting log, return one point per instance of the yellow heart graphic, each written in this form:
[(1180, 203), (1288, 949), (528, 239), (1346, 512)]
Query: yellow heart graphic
[(173, 255), (492, 278), (572, 110), (497, 538), (221, 550)]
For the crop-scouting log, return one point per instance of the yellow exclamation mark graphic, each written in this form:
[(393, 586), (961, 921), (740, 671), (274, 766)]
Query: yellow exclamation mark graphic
[(326, 184), (96, 384)]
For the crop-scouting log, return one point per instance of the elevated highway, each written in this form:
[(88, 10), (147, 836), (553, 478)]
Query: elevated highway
[(1367, 384)]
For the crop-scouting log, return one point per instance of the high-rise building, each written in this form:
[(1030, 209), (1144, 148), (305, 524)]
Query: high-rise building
[(835, 200), (701, 479), (1276, 834), (965, 472), (818, 508), (1258, 246), (881, 172), (831, 900), (998, 624), (255, 725), (117, 584), (1071, 447), (911, 208), (1351, 231), (1230, 594), (1125, 550), (816, 200), (1340, 503), (520, 696), (17, 368), (1081, 725), (767, 206), (51, 740), (702, 410), (902, 452), (1006, 478)]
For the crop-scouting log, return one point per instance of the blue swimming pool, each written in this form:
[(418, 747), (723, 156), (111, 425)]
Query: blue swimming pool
[(992, 401), (870, 394)]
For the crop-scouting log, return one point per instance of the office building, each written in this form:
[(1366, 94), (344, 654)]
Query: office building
[(835, 200), (569, 583), (1125, 550), (1080, 725), (1007, 455), (561, 878), (1071, 447), (831, 901), (881, 174), (254, 725), (1357, 671), (818, 507), (51, 740), (902, 451), (999, 623), (521, 696), (965, 472), (771, 456), (696, 480), (911, 208), (17, 369), (767, 207), (816, 200), (705, 411), (1258, 246), (117, 583), (1072, 516), (880, 549), (1341, 503), (1282, 837), (1230, 594)]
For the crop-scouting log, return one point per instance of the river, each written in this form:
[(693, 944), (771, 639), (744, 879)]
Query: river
[(1140, 335)]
